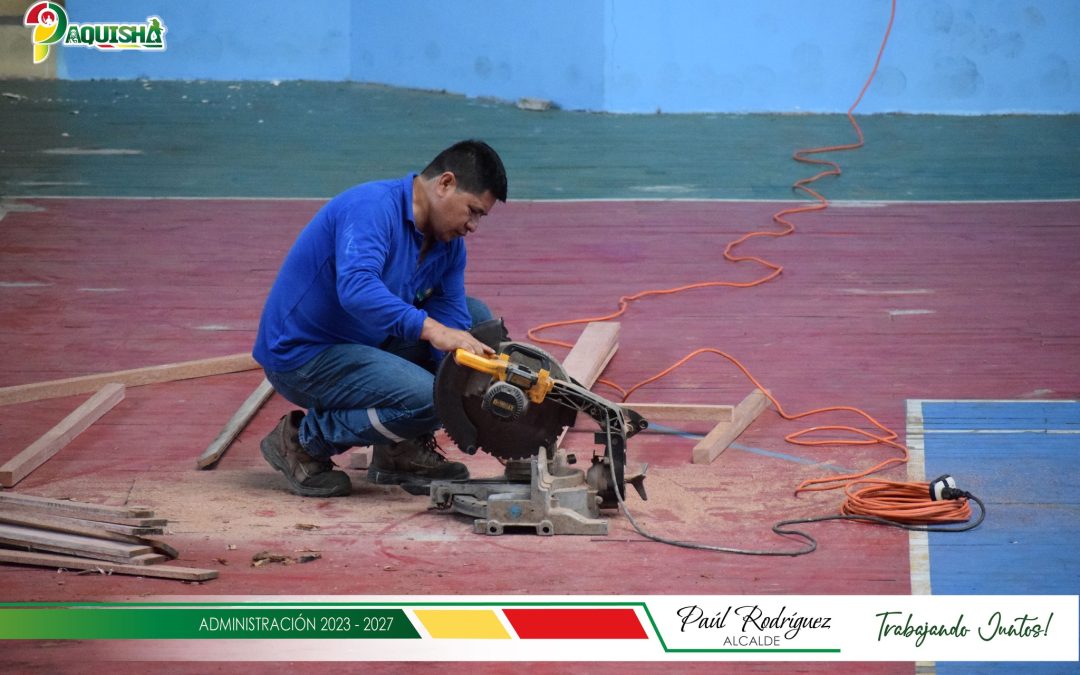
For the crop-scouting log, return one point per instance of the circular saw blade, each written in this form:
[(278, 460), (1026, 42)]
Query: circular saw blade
[(459, 392)]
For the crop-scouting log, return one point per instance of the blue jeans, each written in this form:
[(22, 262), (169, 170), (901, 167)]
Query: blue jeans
[(361, 395)]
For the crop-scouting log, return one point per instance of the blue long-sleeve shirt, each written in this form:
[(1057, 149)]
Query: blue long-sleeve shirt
[(354, 275)]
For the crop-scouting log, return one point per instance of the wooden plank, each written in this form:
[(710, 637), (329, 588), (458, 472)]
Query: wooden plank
[(590, 355), (135, 377), (89, 528), (69, 525), (76, 509), (120, 528), (235, 425), (160, 547), (361, 458), (71, 544), (592, 351), (38, 452), (696, 413), (106, 567), (724, 433)]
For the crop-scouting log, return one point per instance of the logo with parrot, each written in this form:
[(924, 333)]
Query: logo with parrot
[(51, 26)]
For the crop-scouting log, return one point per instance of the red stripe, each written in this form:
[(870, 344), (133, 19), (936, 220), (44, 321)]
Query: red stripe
[(576, 624)]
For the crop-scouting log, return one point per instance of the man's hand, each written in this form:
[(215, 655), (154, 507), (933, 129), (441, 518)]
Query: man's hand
[(447, 339)]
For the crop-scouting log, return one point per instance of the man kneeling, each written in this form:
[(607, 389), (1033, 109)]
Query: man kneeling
[(368, 301)]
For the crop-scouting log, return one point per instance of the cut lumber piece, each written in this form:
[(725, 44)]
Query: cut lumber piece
[(235, 425), (120, 528), (146, 559), (76, 509), (724, 433), (85, 528), (591, 353), (38, 452), (131, 525), (679, 411), (160, 547), (135, 377), (106, 567), (361, 458), (89, 528), (70, 544)]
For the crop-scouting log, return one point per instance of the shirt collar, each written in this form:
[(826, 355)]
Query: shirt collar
[(407, 185)]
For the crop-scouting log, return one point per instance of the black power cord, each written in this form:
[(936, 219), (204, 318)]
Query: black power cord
[(943, 488)]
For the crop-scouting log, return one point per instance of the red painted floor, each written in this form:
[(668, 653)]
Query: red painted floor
[(877, 304)]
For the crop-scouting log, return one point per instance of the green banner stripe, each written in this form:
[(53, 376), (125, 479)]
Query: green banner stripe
[(122, 623)]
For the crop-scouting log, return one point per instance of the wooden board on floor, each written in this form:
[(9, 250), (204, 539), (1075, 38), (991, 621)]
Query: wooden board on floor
[(725, 433), (679, 411), (235, 425), (169, 372), (106, 567), (591, 353), (76, 509), (71, 544), (360, 458), (69, 526), (38, 452)]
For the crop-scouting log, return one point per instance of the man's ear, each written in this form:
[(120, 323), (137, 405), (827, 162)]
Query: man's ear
[(446, 183)]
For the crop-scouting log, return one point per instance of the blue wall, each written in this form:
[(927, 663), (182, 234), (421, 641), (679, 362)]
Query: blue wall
[(945, 56), (552, 50), (207, 40)]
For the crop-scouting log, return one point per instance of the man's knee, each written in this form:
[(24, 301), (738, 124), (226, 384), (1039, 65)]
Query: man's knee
[(479, 312)]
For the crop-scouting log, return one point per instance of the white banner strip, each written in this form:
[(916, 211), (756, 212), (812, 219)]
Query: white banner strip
[(674, 628)]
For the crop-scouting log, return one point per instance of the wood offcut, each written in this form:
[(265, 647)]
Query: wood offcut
[(169, 372), (725, 433), (591, 353), (38, 452), (235, 425)]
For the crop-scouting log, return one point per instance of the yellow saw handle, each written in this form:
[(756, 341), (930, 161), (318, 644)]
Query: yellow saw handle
[(494, 366), (536, 385)]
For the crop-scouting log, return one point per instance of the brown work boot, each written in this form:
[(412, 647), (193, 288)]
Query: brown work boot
[(308, 476), (413, 465)]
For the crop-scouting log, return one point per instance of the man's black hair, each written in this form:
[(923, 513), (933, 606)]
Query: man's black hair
[(476, 166)]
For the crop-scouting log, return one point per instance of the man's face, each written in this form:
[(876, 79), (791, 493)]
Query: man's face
[(456, 213)]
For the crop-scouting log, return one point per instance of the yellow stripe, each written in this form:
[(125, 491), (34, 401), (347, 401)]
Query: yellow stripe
[(477, 624)]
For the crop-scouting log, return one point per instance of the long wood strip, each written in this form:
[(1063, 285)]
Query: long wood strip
[(678, 411), (77, 509), (235, 425), (146, 559), (591, 353), (73, 563), (68, 525), (135, 377), (88, 528), (118, 528), (725, 433), (72, 544), (38, 452)]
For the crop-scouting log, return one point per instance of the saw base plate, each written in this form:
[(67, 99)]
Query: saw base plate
[(556, 500)]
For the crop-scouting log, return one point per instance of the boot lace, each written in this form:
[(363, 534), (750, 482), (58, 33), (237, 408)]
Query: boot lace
[(432, 451)]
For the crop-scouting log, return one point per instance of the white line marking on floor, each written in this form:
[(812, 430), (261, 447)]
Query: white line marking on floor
[(91, 151), (874, 291)]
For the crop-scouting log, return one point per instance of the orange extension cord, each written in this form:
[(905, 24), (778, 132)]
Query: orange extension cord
[(889, 500)]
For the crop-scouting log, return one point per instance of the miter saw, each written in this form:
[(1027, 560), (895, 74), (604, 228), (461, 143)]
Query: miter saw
[(515, 406)]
